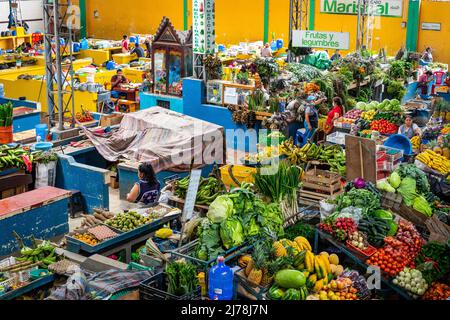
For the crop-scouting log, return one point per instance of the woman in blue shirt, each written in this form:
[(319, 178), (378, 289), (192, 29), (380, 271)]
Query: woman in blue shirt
[(147, 190)]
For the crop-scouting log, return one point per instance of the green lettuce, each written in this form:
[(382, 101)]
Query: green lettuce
[(408, 190), (220, 209), (421, 204), (231, 233)]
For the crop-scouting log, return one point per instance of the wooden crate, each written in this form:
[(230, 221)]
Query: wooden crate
[(319, 184), (412, 215), (391, 200)]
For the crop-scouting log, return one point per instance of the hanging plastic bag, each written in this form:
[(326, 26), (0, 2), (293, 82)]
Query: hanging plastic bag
[(45, 175)]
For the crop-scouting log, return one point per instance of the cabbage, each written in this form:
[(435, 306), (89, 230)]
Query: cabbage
[(395, 180), (384, 186), (361, 106), (422, 205), (408, 190), (384, 214), (220, 209), (393, 227), (231, 233)]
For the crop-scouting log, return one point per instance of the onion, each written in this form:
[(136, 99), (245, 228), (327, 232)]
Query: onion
[(359, 183)]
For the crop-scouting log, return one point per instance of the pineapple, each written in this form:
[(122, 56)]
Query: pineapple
[(244, 260), (249, 267), (434, 146), (279, 249), (260, 263)]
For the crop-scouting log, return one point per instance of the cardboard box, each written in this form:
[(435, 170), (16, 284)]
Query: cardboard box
[(114, 182), (111, 120)]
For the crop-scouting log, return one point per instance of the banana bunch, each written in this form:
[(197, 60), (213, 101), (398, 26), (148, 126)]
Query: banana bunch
[(309, 261), (415, 141), (303, 243), (435, 161), (295, 155)]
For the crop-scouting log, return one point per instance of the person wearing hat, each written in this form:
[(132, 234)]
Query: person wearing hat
[(409, 129), (311, 116)]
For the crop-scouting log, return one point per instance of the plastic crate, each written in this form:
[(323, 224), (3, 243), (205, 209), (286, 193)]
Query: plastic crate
[(155, 288), (337, 138)]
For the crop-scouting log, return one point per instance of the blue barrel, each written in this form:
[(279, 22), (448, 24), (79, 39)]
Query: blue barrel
[(110, 65), (280, 43), (220, 281), (132, 39), (41, 131)]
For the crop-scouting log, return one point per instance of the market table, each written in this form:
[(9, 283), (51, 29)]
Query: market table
[(357, 258), (28, 288), (131, 93)]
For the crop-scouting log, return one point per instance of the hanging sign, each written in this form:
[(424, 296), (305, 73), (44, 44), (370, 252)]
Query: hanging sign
[(382, 8), (203, 17), (321, 39), (191, 195)]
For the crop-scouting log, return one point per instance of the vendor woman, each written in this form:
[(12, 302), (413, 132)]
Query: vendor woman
[(409, 129), (147, 189), (336, 112), (311, 116)]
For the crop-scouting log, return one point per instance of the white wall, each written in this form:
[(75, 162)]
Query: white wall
[(31, 10)]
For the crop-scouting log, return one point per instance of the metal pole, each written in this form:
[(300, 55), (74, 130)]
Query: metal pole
[(58, 65), (358, 28), (291, 10), (70, 71), (48, 62)]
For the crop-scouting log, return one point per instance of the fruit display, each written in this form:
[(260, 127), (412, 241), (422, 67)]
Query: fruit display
[(437, 291), (84, 116), (15, 157), (208, 190), (412, 281), (128, 221), (383, 127), (435, 161), (87, 238), (368, 115), (415, 141), (353, 114), (333, 155)]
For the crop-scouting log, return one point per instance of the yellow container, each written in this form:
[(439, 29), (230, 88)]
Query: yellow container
[(241, 173), (20, 31)]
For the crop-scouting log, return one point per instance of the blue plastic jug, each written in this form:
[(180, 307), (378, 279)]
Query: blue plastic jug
[(220, 281), (273, 45), (76, 47), (280, 43), (84, 44), (41, 132)]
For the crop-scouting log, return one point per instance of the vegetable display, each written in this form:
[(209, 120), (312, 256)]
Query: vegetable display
[(6, 114), (437, 291), (128, 221), (383, 126), (360, 198), (434, 261), (181, 278), (412, 281), (15, 157), (208, 190)]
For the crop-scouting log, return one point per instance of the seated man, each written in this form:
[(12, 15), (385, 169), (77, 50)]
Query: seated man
[(139, 51), (116, 81)]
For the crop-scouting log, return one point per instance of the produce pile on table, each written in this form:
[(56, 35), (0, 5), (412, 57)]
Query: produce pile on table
[(332, 155), (15, 157), (435, 161), (128, 221), (235, 218), (42, 255), (412, 184), (181, 278), (208, 190)]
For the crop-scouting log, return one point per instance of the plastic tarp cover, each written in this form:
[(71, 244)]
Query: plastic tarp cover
[(166, 139)]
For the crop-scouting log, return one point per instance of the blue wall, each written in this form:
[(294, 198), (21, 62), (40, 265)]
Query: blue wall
[(43, 223), (148, 100), (90, 181)]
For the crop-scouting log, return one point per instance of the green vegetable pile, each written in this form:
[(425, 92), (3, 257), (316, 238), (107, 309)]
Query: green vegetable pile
[(235, 218), (303, 72), (6, 114), (412, 184), (359, 198), (300, 229), (208, 189), (387, 106), (181, 278), (434, 261)]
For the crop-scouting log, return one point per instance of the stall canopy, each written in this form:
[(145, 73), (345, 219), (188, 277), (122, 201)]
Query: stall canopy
[(167, 139)]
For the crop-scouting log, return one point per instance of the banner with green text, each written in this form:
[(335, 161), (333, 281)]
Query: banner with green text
[(383, 8)]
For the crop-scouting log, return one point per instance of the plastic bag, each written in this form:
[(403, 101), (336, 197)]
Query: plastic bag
[(351, 212), (326, 209), (45, 175)]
